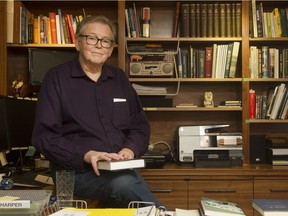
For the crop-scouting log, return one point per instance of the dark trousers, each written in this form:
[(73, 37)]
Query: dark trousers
[(116, 189)]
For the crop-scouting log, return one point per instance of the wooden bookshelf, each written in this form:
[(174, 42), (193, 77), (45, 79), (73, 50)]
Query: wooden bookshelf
[(165, 120)]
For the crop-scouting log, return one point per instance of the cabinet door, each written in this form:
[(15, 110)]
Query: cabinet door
[(238, 191), (271, 188), (171, 193)]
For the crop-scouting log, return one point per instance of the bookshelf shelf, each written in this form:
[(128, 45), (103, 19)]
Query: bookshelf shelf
[(185, 79), (267, 121), (189, 109)]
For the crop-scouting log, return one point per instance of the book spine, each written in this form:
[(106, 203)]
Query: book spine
[(252, 103), (238, 20), (203, 19), (228, 19), (176, 19), (145, 17), (52, 18), (210, 20), (208, 62), (128, 28), (185, 20), (222, 20), (192, 22), (70, 27)]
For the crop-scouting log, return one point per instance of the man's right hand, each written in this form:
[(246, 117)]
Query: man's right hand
[(92, 157)]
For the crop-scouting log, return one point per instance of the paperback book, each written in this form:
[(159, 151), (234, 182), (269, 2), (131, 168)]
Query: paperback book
[(220, 208)]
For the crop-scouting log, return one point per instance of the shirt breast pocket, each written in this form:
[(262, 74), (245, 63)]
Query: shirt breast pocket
[(121, 114)]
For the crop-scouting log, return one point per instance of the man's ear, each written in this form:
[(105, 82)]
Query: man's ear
[(77, 44)]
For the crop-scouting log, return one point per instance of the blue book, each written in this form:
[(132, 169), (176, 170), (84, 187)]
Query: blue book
[(271, 207)]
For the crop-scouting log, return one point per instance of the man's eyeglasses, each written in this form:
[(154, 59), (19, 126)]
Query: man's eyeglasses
[(92, 40)]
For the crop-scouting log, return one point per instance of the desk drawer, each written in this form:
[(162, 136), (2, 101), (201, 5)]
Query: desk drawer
[(238, 191), (172, 194)]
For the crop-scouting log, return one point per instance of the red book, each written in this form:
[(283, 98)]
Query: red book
[(70, 26), (52, 18), (208, 62), (252, 101)]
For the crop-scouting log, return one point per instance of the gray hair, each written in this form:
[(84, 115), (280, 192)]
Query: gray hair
[(96, 19)]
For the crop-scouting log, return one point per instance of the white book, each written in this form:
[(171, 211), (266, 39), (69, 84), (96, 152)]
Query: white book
[(121, 164), (278, 99), (58, 29), (234, 59)]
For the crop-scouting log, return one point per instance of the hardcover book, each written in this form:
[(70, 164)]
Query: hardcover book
[(220, 208), (121, 164), (271, 207)]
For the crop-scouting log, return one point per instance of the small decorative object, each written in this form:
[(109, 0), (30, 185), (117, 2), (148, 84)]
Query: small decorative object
[(208, 99), (17, 86)]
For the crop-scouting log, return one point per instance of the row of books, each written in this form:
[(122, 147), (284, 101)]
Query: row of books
[(52, 28), (209, 19), (268, 62), (138, 25), (271, 105), (217, 61), (273, 23)]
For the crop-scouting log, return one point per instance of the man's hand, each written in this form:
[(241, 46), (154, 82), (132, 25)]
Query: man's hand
[(92, 157), (126, 153)]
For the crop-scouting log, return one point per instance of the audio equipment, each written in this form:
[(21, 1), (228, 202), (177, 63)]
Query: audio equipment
[(151, 68), (257, 149)]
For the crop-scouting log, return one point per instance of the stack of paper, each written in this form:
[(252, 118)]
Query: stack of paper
[(148, 90)]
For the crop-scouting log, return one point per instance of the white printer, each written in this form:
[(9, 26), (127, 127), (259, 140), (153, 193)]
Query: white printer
[(205, 144)]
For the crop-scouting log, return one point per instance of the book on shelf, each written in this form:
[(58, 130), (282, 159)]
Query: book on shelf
[(203, 20), (192, 21), (176, 19), (219, 207), (252, 103), (145, 18), (121, 164), (271, 207), (184, 17)]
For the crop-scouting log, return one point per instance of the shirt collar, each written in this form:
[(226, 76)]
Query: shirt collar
[(77, 71)]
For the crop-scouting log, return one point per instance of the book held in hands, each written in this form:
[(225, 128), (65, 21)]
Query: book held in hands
[(121, 164)]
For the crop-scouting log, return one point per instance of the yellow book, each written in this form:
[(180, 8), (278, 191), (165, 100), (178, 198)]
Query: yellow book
[(95, 212)]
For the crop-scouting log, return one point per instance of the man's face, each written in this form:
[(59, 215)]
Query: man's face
[(95, 54)]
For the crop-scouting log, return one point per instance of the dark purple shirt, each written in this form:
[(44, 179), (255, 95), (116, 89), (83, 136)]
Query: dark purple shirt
[(75, 114)]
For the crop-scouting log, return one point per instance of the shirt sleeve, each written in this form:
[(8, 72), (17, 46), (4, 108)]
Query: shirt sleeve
[(47, 135)]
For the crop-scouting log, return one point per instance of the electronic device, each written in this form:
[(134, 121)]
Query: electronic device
[(4, 145), (154, 159), (203, 140), (20, 116), (258, 149), (41, 60), (151, 68)]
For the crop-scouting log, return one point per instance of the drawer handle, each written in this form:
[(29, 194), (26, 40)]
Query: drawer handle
[(161, 191), (279, 190), (219, 190)]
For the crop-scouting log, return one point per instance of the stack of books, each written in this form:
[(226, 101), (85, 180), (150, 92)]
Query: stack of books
[(277, 155), (270, 207), (231, 103), (211, 207)]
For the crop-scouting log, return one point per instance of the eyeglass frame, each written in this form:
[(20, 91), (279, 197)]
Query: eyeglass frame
[(98, 39)]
